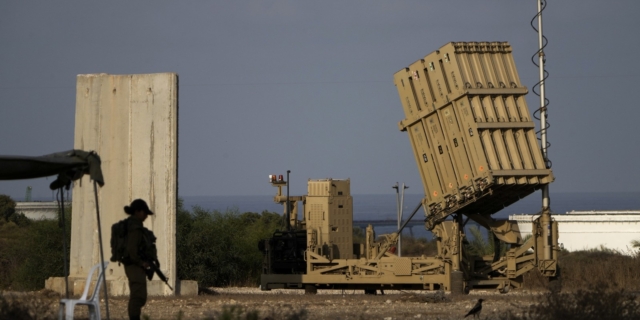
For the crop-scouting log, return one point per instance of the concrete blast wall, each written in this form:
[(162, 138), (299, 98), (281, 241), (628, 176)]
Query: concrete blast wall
[(131, 121)]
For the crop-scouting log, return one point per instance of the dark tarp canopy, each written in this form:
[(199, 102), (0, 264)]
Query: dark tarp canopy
[(69, 165)]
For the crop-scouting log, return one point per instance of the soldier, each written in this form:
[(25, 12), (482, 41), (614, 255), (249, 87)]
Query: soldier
[(140, 251)]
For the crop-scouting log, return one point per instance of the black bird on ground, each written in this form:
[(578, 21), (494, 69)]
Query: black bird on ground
[(475, 311)]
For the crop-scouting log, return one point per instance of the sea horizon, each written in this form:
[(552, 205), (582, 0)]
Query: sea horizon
[(384, 206)]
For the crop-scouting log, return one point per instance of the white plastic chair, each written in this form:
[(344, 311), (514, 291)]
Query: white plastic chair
[(68, 305)]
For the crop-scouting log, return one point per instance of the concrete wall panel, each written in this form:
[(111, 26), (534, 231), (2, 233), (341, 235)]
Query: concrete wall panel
[(131, 121)]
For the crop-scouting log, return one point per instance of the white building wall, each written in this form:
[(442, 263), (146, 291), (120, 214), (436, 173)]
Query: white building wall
[(40, 210), (583, 230)]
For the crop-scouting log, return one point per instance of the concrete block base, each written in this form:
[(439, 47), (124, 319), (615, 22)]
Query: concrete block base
[(120, 287), (187, 288)]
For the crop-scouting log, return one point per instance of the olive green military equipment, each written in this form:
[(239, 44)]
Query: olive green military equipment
[(149, 250), (474, 142), (119, 242), (119, 233), (154, 268), (149, 254)]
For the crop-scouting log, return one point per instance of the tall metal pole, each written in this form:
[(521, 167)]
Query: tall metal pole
[(63, 224), (399, 217), (402, 201), (545, 218), (288, 208), (543, 107), (102, 266), (399, 207)]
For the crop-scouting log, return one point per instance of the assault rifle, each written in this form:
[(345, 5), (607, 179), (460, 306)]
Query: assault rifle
[(154, 267)]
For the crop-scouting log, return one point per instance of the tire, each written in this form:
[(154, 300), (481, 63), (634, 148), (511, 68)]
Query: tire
[(457, 283), (310, 289), (555, 283), (505, 289)]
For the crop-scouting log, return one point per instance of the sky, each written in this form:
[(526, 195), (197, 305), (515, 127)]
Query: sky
[(307, 86)]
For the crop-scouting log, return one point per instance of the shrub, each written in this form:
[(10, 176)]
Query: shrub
[(598, 302), (582, 268), (221, 249), (239, 313), (29, 306), (7, 207), (42, 245), (415, 247), (481, 246), (359, 235), (30, 251), (11, 253)]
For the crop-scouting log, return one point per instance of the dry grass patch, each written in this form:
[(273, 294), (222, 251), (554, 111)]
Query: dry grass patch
[(38, 305), (598, 302)]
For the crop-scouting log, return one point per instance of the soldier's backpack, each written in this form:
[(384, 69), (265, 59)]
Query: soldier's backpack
[(119, 241)]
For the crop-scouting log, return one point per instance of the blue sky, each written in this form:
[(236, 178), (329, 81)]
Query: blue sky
[(307, 86)]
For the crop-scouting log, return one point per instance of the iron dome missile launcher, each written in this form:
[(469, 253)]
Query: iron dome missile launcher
[(476, 149)]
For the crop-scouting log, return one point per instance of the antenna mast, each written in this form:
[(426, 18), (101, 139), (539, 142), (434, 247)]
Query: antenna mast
[(543, 101), (545, 216)]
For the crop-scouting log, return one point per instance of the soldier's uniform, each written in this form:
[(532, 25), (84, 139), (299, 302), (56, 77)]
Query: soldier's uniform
[(141, 249), (134, 270)]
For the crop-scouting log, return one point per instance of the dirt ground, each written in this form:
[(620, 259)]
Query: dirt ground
[(333, 304)]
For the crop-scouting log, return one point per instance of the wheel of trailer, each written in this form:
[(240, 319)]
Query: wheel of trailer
[(310, 289), (370, 291), (555, 285), (457, 283), (505, 289), (555, 282)]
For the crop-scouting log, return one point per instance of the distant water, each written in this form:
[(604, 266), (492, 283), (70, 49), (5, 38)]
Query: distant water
[(383, 207)]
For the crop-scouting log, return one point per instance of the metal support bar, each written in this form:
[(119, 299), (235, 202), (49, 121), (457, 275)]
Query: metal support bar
[(63, 225), (410, 217), (104, 273)]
